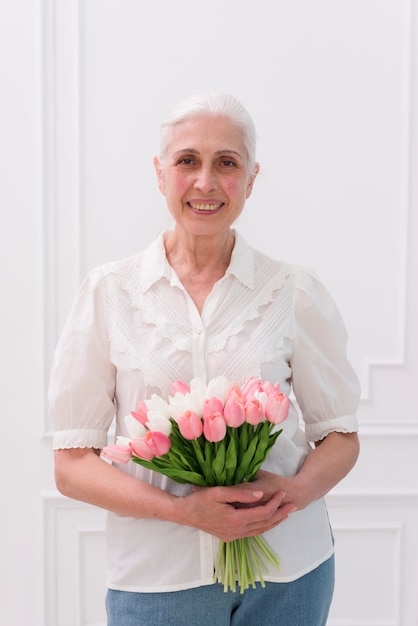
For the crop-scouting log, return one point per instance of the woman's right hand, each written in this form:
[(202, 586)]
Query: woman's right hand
[(231, 513)]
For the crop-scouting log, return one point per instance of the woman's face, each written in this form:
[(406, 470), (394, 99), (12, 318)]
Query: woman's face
[(204, 175)]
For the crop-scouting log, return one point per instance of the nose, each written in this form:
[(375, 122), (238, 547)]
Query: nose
[(206, 180)]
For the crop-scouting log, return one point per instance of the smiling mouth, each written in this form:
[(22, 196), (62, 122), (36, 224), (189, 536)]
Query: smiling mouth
[(208, 207)]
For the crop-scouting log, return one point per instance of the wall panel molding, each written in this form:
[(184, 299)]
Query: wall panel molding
[(90, 557), (63, 238), (362, 500), (73, 532), (370, 543)]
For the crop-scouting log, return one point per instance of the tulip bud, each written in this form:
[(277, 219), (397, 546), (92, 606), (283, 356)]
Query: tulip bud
[(269, 388), (277, 408), (214, 427), (234, 413), (212, 405), (159, 423), (134, 427), (141, 448), (117, 453), (180, 387), (141, 413), (250, 387), (190, 425), (254, 412), (151, 445), (158, 442)]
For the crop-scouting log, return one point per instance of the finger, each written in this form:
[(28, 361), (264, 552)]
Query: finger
[(278, 517), (242, 496)]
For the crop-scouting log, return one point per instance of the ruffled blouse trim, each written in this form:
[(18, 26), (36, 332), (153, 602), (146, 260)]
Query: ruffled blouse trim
[(79, 438), (139, 277), (344, 424)]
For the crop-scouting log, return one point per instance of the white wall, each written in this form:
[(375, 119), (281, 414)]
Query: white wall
[(332, 88), (24, 464)]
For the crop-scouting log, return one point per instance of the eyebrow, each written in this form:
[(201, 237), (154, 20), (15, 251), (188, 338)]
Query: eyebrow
[(218, 152)]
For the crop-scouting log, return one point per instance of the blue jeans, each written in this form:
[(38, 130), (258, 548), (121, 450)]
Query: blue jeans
[(303, 602)]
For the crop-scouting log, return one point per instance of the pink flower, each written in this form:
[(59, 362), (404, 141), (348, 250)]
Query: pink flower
[(141, 413), (117, 453), (214, 427), (190, 425), (180, 387), (234, 413), (250, 387), (269, 388), (277, 407), (212, 405), (234, 390), (151, 445), (254, 412)]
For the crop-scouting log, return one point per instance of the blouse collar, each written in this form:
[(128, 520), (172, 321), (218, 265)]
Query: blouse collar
[(155, 265)]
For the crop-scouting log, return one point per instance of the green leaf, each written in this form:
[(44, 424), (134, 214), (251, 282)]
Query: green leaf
[(218, 465), (261, 453), (197, 449), (179, 475), (245, 461), (210, 478), (243, 440), (231, 461)]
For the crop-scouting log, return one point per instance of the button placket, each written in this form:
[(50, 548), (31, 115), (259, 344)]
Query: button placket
[(199, 350)]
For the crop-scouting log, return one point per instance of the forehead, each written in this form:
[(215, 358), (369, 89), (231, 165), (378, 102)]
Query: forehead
[(207, 133)]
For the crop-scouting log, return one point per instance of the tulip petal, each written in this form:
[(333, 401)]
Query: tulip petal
[(117, 453)]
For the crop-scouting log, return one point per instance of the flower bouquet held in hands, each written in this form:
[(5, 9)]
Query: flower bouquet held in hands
[(210, 435)]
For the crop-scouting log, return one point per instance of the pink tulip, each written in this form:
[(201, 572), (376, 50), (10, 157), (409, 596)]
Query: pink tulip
[(211, 406), (158, 442), (180, 387), (152, 444), (277, 407), (141, 448), (234, 413), (269, 388), (214, 427), (190, 425), (254, 412), (117, 453), (250, 387), (141, 413), (234, 390)]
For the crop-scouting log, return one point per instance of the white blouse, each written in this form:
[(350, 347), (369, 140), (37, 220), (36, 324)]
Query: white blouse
[(134, 330)]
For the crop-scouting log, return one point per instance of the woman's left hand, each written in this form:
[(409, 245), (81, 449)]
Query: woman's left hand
[(323, 468)]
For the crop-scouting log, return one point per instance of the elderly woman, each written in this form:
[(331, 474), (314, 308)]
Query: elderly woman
[(200, 302)]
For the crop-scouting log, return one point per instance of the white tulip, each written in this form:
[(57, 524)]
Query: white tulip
[(135, 428)]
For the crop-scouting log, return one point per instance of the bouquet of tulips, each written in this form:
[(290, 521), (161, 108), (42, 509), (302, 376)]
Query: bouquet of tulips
[(208, 435)]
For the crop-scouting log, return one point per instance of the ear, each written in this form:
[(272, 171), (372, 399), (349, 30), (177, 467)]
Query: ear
[(252, 179), (160, 174)]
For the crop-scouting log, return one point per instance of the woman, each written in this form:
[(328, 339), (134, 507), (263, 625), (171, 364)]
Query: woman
[(200, 302)]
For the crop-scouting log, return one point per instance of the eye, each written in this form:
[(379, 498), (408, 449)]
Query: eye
[(228, 163), (187, 161)]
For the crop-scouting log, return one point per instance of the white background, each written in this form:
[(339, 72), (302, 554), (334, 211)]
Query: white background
[(332, 87)]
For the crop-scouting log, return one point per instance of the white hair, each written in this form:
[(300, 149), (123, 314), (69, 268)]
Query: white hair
[(211, 104)]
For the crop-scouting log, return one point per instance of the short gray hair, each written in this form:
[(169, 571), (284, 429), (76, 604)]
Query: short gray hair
[(211, 104)]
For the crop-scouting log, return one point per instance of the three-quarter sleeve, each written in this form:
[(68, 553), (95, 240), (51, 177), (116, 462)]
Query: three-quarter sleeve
[(82, 383), (324, 382)]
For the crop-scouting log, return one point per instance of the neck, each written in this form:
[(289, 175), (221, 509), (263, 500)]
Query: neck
[(200, 255)]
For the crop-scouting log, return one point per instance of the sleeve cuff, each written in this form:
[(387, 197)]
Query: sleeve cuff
[(345, 424), (79, 438)]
